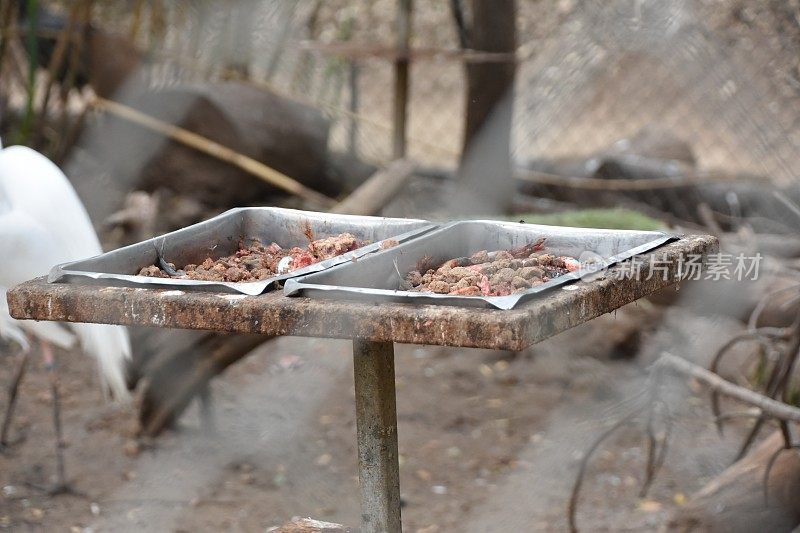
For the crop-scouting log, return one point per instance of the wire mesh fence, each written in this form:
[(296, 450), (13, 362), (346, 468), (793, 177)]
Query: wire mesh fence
[(722, 79), (591, 88)]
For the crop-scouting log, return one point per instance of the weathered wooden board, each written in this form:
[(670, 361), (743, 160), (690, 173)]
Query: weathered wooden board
[(275, 314)]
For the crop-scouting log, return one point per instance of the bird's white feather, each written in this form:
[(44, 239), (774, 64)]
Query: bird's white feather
[(112, 347), (25, 247), (36, 186), (9, 329), (43, 223)]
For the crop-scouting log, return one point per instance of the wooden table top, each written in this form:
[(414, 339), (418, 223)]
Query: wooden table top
[(275, 314)]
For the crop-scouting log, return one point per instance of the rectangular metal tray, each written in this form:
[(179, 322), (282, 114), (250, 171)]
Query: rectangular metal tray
[(376, 278), (220, 236)]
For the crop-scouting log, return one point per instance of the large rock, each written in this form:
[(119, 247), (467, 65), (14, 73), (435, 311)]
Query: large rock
[(285, 135), (737, 501)]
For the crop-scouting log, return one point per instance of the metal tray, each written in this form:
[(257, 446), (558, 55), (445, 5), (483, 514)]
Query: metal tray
[(220, 236), (376, 278)]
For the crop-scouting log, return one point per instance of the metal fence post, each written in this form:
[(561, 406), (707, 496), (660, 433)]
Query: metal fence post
[(376, 423), (401, 79)]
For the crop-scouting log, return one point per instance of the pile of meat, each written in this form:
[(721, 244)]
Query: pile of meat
[(257, 262), (497, 273)]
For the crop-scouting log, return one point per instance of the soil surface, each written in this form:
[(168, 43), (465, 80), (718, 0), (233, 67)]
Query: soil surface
[(489, 441)]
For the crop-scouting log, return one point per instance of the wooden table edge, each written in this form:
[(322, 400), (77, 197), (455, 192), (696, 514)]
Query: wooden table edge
[(275, 314)]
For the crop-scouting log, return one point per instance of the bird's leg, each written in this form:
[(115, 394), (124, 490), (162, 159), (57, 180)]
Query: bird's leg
[(13, 392), (50, 363)]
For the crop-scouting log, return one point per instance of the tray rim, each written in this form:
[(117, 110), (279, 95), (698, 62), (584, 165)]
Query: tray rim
[(62, 273), (297, 286)]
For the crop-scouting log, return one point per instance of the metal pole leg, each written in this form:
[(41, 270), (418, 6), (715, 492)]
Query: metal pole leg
[(376, 421)]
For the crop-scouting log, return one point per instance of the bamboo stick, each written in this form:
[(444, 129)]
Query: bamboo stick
[(68, 133), (6, 20), (136, 22), (216, 150), (56, 62), (378, 190)]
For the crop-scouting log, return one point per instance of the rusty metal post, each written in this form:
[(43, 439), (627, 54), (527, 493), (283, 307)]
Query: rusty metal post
[(401, 66), (352, 133), (376, 422)]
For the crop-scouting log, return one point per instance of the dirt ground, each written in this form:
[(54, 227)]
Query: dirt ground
[(489, 441)]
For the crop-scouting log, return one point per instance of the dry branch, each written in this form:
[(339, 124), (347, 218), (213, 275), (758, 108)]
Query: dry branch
[(216, 150), (572, 507), (377, 190), (56, 64), (602, 184), (759, 335), (767, 405), (392, 53)]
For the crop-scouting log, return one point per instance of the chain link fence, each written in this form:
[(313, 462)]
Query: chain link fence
[(722, 78), (722, 95)]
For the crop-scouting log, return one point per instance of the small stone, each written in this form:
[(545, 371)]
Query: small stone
[(531, 272), (94, 508), (502, 424), (324, 459), (649, 506), (504, 275), (520, 283), (461, 272), (414, 278), (423, 474), (439, 489), (480, 257), (132, 448), (439, 287)]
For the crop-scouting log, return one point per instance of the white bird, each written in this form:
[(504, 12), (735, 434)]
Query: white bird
[(43, 223)]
